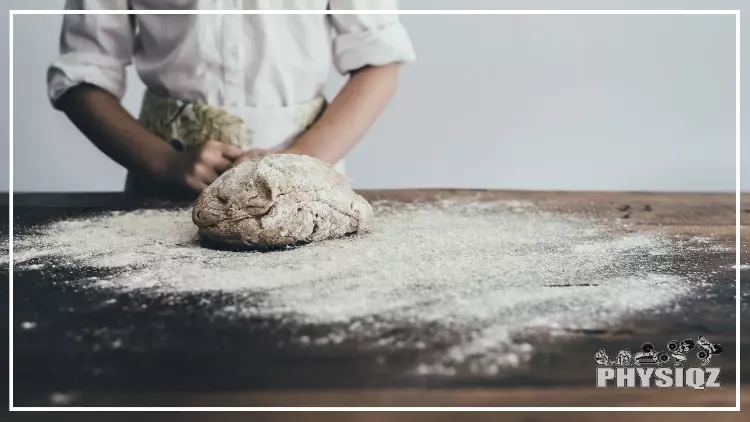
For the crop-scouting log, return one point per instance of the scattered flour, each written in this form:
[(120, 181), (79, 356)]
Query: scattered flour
[(28, 325), (473, 276), (706, 244), (60, 399)]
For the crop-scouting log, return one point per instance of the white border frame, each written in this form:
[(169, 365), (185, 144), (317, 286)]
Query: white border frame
[(736, 14)]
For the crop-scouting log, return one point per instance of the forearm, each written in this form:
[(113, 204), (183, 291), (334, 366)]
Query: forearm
[(350, 115), (102, 119)]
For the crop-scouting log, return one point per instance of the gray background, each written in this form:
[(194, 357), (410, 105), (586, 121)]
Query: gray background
[(517, 102)]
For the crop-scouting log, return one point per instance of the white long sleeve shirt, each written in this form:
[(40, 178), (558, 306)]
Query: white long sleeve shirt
[(225, 60)]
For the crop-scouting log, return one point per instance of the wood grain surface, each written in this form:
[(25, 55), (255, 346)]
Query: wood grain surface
[(708, 216)]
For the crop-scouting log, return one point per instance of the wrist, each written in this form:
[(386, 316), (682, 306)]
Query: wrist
[(159, 161), (294, 149), (302, 147)]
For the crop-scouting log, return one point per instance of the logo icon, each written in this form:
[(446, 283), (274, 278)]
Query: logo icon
[(649, 364), (707, 350)]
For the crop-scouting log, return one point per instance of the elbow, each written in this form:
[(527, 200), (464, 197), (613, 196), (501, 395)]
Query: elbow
[(72, 98), (80, 99)]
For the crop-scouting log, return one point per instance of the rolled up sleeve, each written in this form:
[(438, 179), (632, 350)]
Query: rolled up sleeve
[(94, 49), (373, 40)]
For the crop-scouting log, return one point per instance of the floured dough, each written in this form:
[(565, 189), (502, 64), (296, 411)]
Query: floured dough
[(277, 200)]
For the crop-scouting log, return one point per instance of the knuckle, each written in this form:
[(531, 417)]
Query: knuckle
[(206, 154), (198, 168)]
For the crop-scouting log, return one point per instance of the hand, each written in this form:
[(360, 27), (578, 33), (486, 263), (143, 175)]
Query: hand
[(253, 153), (259, 152), (196, 169)]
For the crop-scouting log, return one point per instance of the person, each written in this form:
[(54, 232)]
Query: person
[(224, 88)]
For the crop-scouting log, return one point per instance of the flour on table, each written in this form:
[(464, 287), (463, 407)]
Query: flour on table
[(473, 275)]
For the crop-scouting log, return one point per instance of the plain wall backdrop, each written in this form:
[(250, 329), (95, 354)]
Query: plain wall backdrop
[(628, 102)]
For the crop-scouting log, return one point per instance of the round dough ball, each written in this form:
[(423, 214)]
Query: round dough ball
[(278, 200)]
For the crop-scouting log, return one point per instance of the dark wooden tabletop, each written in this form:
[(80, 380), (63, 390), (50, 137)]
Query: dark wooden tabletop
[(212, 373)]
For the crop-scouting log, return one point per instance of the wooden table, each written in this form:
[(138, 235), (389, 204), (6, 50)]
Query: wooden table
[(169, 374)]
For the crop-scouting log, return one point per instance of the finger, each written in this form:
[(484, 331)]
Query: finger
[(212, 144), (214, 147), (262, 153), (254, 153), (213, 158), (209, 152), (231, 152), (247, 157), (220, 164), (195, 185), (204, 173), (240, 160), (208, 149)]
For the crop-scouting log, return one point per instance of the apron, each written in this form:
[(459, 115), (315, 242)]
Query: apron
[(187, 125)]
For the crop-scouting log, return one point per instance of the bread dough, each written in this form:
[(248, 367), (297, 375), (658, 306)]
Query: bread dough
[(282, 199)]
